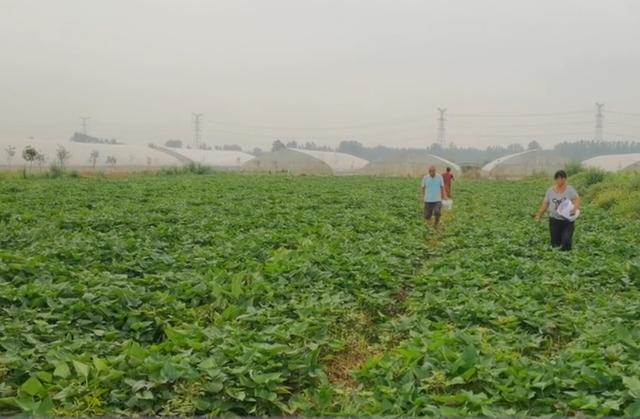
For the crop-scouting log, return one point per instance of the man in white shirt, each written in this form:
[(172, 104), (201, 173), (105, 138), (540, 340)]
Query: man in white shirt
[(433, 194)]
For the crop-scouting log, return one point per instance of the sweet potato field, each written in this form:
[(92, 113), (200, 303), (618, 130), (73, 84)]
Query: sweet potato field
[(273, 295)]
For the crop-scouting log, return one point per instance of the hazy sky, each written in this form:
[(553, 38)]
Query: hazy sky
[(321, 70)]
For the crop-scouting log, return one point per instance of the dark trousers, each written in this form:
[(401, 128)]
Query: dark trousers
[(561, 233)]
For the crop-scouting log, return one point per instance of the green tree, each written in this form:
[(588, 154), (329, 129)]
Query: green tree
[(29, 154), (278, 145)]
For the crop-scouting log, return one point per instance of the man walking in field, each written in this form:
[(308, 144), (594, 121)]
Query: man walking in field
[(433, 194)]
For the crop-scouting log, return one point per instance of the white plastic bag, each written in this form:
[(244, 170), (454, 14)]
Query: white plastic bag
[(447, 204), (565, 208)]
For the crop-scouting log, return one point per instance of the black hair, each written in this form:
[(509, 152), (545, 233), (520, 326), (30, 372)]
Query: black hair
[(448, 169), (560, 173)]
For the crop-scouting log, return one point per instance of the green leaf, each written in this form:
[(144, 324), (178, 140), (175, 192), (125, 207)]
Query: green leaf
[(8, 402), (236, 393), (136, 351), (265, 378), (81, 369), (469, 357), (633, 410), (612, 404), (32, 386), (633, 384), (145, 395), (44, 376), (170, 372), (100, 364), (44, 408), (266, 394), (325, 396), (27, 404), (236, 285), (137, 385), (214, 386)]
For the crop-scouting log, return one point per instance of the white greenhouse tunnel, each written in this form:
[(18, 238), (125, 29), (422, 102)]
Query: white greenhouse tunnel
[(614, 162), (526, 163), (339, 162), (213, 158), (408, 165), (80, 155)]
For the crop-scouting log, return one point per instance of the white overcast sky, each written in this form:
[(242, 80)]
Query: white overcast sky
[(322, 70)]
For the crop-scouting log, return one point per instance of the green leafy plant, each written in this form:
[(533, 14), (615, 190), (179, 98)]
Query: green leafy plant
[(268, 295)]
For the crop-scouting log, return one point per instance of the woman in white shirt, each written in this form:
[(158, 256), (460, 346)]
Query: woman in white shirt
[(561, 226)]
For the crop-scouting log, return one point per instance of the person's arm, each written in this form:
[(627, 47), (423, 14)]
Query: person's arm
[(443, 195), (543, 207), (577, 201)]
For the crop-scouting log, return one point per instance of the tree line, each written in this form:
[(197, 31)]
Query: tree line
[(180, 144), (79, 137)]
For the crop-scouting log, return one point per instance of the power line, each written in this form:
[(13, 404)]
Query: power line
[(539, 125), (327, 128), (414, 119), (519, 135), (286, 136), (247, 134), (623, 124), (516, 115), (632, 136), (419, 119), (623, 113), (360, 128), (197, 131), (516, 138), (465, 134)]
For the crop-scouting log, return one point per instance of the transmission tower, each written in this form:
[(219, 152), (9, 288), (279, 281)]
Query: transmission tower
[(197, 130), (442, 138), (599, 118), (84, 120)]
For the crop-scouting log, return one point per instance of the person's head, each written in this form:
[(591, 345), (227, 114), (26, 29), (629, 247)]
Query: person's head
[(560, 177), (432, 170), (448, 169)]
